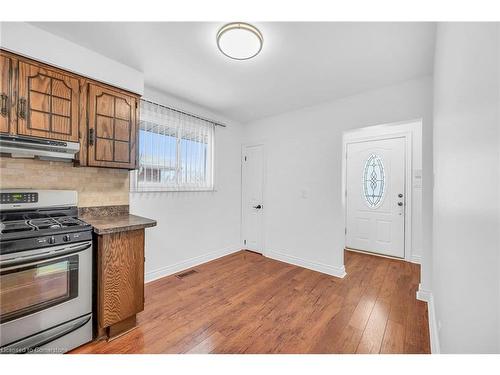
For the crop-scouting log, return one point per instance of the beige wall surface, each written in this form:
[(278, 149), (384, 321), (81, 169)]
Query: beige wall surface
[(95, 186)]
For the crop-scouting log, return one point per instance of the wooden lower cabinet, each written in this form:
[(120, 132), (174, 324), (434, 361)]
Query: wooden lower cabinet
[(120, 281)]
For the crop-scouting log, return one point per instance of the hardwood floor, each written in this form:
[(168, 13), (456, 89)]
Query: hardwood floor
[(247, 303)]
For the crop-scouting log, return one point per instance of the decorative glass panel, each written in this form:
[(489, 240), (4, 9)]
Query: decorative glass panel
[(374, 181)]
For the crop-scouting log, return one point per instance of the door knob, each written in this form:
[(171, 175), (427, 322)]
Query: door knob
[(400, 203), (258, 207)]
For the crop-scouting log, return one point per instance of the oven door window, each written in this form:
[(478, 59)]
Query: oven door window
[(29, 288)]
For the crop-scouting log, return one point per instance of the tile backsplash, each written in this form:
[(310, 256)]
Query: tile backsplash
[(95, 186)]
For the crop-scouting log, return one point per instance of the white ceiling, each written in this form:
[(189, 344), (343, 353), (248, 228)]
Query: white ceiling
[(301, 64)]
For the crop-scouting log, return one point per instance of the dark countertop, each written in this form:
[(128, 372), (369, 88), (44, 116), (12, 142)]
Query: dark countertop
[(116, 222)]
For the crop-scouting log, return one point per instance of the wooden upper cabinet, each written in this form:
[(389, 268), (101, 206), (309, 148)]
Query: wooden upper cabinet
[(112, 128), (39, 100), (48, 101), (5, 94)]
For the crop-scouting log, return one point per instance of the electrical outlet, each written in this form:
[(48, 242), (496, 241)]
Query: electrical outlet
[(304, 193)]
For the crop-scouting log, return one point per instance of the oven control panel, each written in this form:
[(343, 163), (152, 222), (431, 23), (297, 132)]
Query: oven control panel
[(18, 197)]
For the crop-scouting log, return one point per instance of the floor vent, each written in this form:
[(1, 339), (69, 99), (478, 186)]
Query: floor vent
[(186, 274)]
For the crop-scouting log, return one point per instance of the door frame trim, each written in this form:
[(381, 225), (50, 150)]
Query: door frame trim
[(264, 184), (354, 137)]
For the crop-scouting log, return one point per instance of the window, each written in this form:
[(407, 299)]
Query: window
[(175, 151), (373, 181)]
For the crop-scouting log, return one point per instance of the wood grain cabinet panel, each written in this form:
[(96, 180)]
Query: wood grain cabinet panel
[(48, 103), (120, 276), (6, 93), (112, 116)]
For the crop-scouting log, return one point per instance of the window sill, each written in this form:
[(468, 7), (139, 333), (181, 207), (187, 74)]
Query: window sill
[(174, 191)]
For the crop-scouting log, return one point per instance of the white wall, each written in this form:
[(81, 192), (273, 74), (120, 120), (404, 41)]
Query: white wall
[(194, 227), (466, 193), (304, 155), (33, 42)]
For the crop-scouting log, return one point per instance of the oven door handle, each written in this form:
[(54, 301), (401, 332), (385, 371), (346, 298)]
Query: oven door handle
[(31, 343), (22, 260)]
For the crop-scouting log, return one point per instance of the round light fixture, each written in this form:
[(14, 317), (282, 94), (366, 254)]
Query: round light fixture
[(239, 41)]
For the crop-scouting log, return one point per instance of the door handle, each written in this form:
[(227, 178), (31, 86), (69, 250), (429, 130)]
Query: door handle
[(22, 108), (400, 204), (47, 255), (258, 207), (91, 137)]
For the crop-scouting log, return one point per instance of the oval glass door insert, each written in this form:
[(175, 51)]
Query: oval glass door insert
[(373, 181)]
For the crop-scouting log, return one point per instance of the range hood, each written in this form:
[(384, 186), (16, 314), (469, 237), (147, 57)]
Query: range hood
[(29, 147)]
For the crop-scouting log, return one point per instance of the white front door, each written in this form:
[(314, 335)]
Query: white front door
[(375, 201), (252, 197)]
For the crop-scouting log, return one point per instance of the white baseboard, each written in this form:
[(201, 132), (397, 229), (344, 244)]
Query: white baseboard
[(188, 263), (426, 296), (416, 259), (422, 294), (337, 271)]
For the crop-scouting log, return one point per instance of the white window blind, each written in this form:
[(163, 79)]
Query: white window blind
[(176, 151)]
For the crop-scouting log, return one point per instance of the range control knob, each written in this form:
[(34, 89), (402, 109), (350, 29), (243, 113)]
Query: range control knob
[(52, 240), (66, 238)]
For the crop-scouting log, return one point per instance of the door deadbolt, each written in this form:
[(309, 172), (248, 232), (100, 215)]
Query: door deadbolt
[(400, 195)]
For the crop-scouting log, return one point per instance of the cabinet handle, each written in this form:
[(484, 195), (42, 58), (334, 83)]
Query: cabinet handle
[(22, 108), (3, 110), (91, 137)]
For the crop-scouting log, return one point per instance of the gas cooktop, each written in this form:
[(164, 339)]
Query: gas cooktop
[(18, 226), (34, 219), (41, 231)]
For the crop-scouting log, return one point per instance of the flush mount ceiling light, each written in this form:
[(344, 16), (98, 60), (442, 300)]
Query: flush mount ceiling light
[(239, 41)]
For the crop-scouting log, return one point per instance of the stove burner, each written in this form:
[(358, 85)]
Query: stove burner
[(45, 223), (69, 221), (15, 226)]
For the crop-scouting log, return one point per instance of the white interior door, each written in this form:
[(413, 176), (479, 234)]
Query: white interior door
[(252, 197), (375, 199)]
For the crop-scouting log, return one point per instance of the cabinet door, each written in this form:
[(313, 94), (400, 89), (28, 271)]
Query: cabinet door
[(5, 93), (112, 128), (120, 276), (48, 103)]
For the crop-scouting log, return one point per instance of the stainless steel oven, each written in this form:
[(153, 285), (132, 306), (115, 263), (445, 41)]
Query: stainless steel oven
[(45, 290)]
